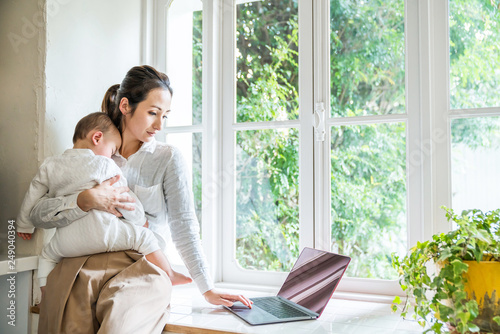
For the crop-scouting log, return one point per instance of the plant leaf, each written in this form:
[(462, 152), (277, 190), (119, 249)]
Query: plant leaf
[(483, 236), (444, 255), (474, 328), (459, 267)]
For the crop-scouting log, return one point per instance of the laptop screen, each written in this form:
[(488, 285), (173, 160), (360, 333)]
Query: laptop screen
[(313, 278)]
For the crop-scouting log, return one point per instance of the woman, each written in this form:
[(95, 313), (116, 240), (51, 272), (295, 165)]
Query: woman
[(121, 291)]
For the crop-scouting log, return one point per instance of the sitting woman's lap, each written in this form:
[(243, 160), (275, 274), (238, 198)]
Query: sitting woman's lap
[(119, 292)]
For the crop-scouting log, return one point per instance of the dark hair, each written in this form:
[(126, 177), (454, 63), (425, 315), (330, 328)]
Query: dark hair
[(136, 85), (95, 121), (109, 100)]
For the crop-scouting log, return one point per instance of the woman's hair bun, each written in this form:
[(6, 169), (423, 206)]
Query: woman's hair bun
[(109, 101)]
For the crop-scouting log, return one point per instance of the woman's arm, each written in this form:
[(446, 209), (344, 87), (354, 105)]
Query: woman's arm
[(186, 231), (62, 211), (184, 226)]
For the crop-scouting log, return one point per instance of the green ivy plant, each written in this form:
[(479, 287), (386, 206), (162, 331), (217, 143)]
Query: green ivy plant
[(432, 273)]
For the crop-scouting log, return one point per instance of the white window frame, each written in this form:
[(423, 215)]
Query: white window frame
[(413, 134), (428, 120), (154, 52), (231, 271), (312, 231), (442, 115)]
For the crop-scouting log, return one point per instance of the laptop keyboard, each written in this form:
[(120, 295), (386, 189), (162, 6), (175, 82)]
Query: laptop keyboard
[(278, 308)]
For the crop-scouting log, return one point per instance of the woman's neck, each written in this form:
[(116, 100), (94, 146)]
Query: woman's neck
[(129, 145)]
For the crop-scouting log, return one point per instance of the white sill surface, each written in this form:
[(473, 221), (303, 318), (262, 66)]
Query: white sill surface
[(189, 311), (21, 263)]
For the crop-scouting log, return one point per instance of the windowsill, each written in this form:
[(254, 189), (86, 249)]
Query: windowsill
[(345, 313), (189, 312), (22, 263)]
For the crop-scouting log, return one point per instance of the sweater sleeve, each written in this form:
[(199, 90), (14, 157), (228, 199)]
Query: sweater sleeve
[(56, 212), (37, 189), (183, 223)]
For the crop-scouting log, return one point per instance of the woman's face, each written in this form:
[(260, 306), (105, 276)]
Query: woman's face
[(149, 115)]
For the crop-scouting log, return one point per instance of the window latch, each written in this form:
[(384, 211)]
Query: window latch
[(319, 121)]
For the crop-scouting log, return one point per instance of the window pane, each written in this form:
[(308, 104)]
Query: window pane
[(474, 59), (267, 199), (197, 65), (476, 163), (184, 61), (369, 196), (267, 61), (367, 57), (190, 144)]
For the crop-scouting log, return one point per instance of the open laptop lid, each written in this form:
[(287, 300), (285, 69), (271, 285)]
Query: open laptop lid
[(313, 278)]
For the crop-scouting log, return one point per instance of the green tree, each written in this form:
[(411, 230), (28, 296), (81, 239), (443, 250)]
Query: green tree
[(197, 109), (267, 217), (475, 69), (368, 162)]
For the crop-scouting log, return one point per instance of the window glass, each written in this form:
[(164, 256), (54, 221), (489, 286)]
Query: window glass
[(184, 61), (474, 59), (190, 144), (475, 156), (368, 200), (367, 55), (267, 199), (197, 66), (267, 61)]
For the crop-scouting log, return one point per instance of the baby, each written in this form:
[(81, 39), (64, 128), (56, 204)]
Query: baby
[(89, 163)]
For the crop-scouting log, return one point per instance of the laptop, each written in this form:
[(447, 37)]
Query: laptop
[(304, 294)]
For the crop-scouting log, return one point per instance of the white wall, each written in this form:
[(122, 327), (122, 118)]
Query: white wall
[(22, 96), (57, 58), (91, 44), (22, 64)]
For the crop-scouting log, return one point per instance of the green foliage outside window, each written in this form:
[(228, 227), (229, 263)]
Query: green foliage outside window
[(267, 212), (368, 162), (197, 109)]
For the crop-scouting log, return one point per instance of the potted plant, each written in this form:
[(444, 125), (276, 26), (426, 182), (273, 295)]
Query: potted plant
[(445, 278)]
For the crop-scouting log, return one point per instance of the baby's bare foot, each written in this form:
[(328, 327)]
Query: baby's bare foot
[(178, 278)]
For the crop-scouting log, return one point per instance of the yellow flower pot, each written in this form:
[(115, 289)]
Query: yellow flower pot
[(483, 285)]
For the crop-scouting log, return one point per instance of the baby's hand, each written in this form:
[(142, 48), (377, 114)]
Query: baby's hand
[(146, 225), (25, 236)]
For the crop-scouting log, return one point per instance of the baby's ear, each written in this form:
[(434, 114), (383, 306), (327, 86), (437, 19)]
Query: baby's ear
[(97, 137)]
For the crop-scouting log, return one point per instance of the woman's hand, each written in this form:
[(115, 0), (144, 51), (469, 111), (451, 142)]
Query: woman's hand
[(105, 197), (219, 298)]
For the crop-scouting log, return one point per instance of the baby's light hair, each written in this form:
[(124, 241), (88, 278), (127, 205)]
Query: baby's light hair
[(95, 121)]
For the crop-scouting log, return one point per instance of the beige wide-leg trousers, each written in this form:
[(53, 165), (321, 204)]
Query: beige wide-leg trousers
[(107, 293)]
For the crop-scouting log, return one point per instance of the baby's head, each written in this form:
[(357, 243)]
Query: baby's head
[(97, 132)]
